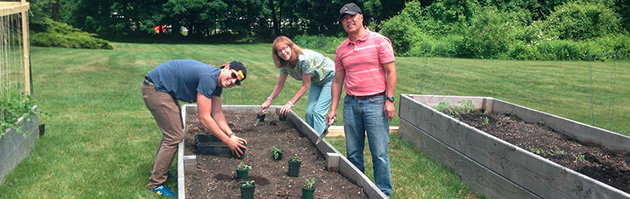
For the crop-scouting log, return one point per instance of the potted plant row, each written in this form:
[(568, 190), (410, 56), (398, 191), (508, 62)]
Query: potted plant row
[(242, 170)]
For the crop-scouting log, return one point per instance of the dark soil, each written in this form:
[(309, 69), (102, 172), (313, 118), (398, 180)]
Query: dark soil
[(216, 176), (605, 166)]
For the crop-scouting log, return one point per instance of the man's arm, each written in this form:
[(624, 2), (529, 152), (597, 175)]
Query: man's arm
[(335, 94), (390, 72), (207, 109)]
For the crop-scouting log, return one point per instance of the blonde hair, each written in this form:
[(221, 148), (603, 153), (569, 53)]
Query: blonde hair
[(295, 49)]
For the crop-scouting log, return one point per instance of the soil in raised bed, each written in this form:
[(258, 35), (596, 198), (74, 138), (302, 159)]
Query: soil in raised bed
[(215, 176), (605, 166)]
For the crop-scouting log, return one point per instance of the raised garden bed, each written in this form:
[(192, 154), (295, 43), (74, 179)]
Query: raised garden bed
[(14, 146), (212, 176), (493, 166)]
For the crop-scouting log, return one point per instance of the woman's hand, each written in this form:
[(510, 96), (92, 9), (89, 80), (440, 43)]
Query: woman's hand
[(286, 108)]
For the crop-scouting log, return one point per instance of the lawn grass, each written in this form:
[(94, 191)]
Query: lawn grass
[(100, 139)]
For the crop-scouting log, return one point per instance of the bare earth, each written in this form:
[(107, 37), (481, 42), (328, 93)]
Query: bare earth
[(591, 160), (216, 177)]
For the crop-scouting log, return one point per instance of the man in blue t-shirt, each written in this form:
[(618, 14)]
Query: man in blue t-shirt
[(189, 81)]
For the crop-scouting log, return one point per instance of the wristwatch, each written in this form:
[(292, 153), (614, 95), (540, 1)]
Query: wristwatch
[(391, 99), (230, 134)]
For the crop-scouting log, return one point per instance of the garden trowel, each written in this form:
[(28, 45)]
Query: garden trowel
[(260, 117), (321, 137)]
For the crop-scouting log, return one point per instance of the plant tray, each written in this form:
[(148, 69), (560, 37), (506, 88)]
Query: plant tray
[(495, 167), (210, 145)]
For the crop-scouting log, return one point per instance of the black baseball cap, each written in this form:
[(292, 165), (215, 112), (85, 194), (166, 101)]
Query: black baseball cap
[(240, 68), (349, 8)]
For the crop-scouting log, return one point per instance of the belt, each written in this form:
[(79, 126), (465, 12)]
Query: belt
[(147, 80), (368, 96)]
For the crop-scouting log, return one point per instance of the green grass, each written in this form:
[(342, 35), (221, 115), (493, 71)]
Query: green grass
[(100, 139)]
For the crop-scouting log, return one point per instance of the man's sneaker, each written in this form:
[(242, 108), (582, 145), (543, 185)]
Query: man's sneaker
[(163, 190)]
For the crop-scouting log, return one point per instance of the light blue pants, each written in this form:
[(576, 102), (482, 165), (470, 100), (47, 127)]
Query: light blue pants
[(367, 115), (319, 99)]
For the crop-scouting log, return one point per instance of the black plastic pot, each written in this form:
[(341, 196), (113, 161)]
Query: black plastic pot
[(247, 192), (294, 168), (242, 173), (279, 157), (308, 193)]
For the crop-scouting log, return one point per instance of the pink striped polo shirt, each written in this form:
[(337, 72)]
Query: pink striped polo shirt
[(363, 61)]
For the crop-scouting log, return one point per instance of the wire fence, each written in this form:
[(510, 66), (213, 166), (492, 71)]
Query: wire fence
[(602, 92), (11, 53)]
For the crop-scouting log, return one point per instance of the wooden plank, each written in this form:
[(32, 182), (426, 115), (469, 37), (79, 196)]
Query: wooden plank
[(337, 131), (25, 48), (9, 8), (540, 176), (474, 175)]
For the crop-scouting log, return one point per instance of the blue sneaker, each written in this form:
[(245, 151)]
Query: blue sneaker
[(163, 190)]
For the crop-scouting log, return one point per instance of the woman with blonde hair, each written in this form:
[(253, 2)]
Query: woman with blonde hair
[(313, 69)]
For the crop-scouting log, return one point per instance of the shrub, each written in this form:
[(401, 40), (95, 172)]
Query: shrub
[(581, 21), (319, 42), (63, 35), (488, 35)]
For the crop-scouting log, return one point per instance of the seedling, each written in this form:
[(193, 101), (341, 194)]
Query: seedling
[(295, 159), (559, 151), (243, 166), (580, 158), (309, 183), (247, 183), (277, 152), (485, 120)]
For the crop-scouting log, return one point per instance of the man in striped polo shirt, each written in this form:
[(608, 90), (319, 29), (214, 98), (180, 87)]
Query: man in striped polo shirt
[(364, 64)]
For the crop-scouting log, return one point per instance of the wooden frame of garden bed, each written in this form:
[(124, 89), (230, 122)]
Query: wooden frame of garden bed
[(14, 146), (187, 163), (497, 168)]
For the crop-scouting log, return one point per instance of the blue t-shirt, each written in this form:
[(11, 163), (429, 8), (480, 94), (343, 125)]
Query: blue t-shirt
[(184, 78)]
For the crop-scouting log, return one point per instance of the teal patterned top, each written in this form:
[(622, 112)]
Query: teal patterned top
[(321, 68)]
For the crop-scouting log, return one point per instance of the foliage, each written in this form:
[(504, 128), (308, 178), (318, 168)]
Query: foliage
[(320, 42), (308, 183), (13, 105), (276, 152), (295, 159), (247, 183), (581, 21), (63, 35), (576, 30), (484, 120), (465, 106), (243, 166)]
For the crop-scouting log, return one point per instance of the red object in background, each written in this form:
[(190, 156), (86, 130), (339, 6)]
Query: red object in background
[(160, 29)]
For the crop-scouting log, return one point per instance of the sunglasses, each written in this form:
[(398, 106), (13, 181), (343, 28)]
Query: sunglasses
[(234, 75)]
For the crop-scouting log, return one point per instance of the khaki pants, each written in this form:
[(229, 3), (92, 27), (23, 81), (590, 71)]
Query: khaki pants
[(167, 114)]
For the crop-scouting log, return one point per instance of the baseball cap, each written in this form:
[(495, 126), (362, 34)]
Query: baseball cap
[(240, 68), (349, 8)]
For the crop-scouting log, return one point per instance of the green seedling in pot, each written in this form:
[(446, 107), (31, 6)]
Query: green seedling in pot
[(277, 152), (247, 183), (243, 166), (309, 183), (295, 159)]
